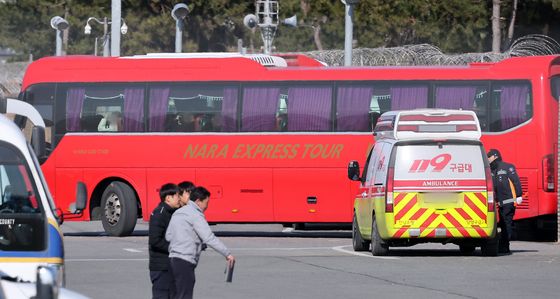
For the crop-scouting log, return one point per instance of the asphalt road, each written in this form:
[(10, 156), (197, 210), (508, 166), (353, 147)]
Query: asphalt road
[(312, 264)]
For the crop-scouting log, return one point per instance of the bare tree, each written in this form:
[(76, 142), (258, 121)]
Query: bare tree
[(496, 34), (512, 22)]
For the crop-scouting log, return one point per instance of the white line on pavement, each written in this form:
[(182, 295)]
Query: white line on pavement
[(341, 249), (104, 260), (132, 250), (279, 248)]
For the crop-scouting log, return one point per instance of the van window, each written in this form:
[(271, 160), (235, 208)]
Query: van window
[(22, 219), (382, 164), (439, 165)]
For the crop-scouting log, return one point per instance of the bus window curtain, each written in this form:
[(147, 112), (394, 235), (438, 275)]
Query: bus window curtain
[(229, 110), (309, 109), (352, 108), (133, 109), (74, 104), (159, 102), (512, 105), (409, 97), (455, 97), (260, 105)]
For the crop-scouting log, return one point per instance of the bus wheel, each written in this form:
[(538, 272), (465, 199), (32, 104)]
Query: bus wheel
[(119, 209), (358, 243), (467, 249), (378, 246)]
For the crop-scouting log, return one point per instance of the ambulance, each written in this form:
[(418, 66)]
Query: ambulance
[(426, 179)]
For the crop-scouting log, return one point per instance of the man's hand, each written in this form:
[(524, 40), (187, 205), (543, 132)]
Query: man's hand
[(230, 259)]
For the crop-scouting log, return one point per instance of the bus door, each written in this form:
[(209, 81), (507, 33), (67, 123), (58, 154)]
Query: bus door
[(238, 194)]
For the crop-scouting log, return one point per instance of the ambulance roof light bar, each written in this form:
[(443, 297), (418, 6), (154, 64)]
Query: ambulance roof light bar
[(428, 124)]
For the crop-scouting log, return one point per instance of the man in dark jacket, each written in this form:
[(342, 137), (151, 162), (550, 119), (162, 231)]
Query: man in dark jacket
[(507, 191), (160, 274)]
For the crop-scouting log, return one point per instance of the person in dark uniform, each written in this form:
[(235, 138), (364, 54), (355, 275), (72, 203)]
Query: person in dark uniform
[(160, 273), (507, 191)]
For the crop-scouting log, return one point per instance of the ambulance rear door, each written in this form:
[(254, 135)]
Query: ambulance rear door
[(439, 189)]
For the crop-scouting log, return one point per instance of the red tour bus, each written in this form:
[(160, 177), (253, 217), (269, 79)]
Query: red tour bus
[(268, 136)]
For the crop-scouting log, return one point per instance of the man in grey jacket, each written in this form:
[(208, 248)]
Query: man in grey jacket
[(186, 233)]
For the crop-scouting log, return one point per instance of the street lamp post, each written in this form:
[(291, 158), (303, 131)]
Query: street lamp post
[(266, 19), (348, 30), (115, 34), (60, 24), (179, 13), (106, 35)]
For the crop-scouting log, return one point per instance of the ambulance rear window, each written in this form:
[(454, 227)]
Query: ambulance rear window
[(439, 161)]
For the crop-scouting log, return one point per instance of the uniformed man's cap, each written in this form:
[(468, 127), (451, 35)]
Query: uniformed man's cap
[(494, 152)]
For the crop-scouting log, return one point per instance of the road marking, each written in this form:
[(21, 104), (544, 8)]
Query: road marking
[(341, 249), (280, 248), (104, 260), (132, 250), (288, 230)]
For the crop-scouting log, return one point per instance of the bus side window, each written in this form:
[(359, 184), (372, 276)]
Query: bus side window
[(310, 108), (511, 105), (353, 105)]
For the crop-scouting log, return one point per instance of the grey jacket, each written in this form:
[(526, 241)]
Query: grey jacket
[(186, 233)]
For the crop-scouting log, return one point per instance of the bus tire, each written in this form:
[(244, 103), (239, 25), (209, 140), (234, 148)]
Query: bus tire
[(358, 243), (378, 246), (119, 209)]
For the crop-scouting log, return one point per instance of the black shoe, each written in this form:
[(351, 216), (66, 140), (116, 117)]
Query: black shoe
[(504, 251)]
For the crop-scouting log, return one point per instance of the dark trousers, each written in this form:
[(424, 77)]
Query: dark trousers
[(161, 284), (183, 277), (507, 212)]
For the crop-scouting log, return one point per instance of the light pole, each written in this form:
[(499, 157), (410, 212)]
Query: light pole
[(106, 35), (179, 13), (60, 24), (348, 30), (115, 34), (267, 19)]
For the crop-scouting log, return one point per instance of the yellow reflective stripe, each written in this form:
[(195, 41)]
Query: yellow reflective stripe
[(401, 204), (424, 217), (459, 218), (411, 213), (51, 260), (476, 201)]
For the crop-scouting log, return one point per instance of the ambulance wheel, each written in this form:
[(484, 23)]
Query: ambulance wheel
[(358, 243), (378, 246), (490, 247), (119, 209), (467, 249)]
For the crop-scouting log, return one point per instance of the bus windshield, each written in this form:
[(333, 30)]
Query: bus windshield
[(22, 221)]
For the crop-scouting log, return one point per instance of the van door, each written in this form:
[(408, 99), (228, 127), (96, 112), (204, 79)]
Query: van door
[(367, 191), (440, 189), (363, 191)]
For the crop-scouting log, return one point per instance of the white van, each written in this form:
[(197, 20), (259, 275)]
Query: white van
[(30, 237), (427, 179)]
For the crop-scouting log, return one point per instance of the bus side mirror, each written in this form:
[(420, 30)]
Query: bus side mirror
[(354, 171), (81, 197), (38, 142)]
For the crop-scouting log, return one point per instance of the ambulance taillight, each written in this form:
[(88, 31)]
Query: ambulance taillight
[(389, 190), (490, 190)]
